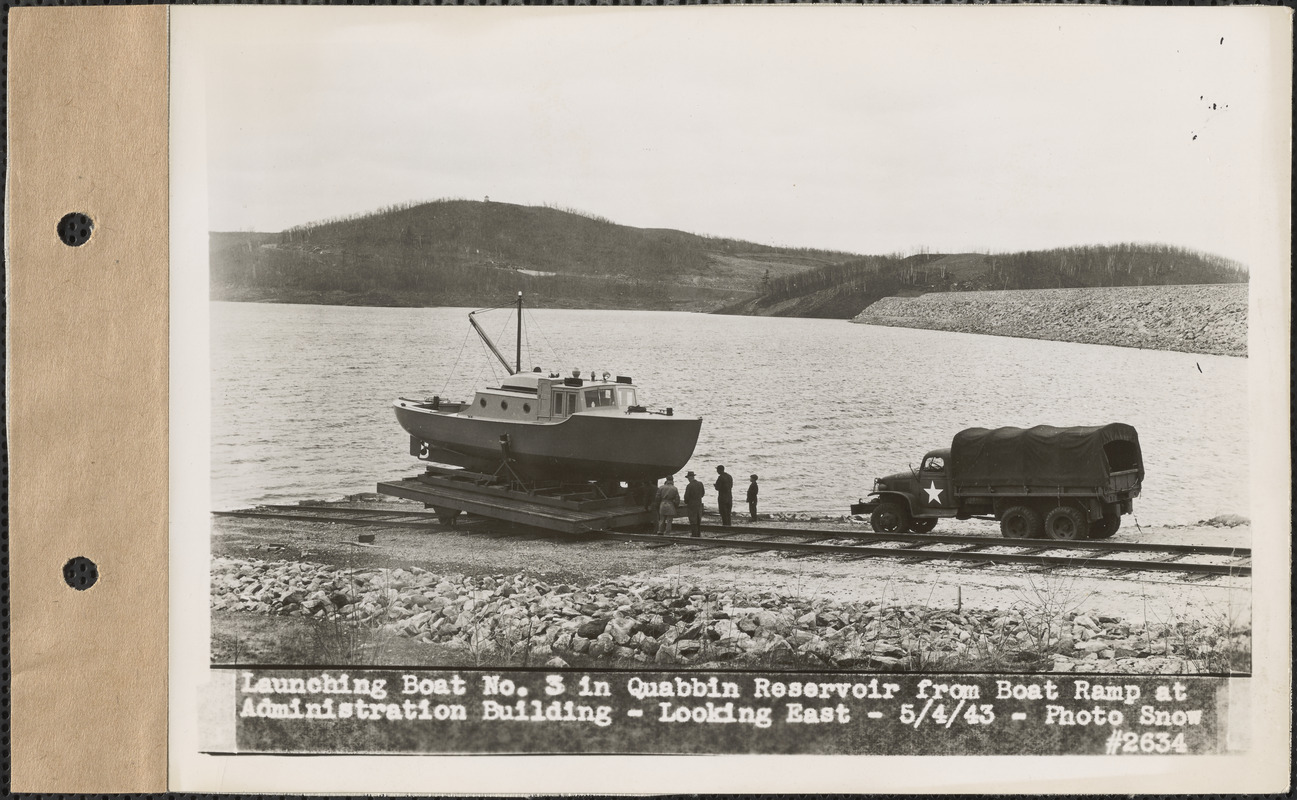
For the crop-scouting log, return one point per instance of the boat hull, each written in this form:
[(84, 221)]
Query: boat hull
[(582, 447)]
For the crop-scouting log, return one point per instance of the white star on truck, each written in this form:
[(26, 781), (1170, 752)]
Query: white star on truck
[(934, 494)]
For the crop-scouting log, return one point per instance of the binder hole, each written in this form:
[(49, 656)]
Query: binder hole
[(80, 573), (74, 229)]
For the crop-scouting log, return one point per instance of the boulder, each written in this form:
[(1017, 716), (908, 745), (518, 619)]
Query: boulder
[(692, 632), (881, 648), (1084, 621), (667, 654), (799, 638), (621, 629), (655, 629), (593, 628)]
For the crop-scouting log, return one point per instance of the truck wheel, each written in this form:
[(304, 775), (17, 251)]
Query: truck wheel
[(890, 518), (922, 525), (1066, 523), (1104, 528), (1020, 522)]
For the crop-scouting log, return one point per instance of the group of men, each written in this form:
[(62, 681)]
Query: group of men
[(667, 500)]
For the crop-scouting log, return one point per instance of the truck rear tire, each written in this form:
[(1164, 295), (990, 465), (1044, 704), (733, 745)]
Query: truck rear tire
[(1020, 522), (1066, 523), (890, 518), (922, 525), (1104, 528)]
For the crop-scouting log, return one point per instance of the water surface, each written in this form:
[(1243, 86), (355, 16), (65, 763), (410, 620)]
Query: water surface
[(301, 397)]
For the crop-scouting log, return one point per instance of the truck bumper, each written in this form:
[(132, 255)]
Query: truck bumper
[(865, 506)]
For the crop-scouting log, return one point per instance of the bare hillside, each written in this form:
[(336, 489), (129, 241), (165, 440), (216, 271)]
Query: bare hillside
[(460, 252)]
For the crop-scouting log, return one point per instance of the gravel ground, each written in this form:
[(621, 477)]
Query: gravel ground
[(476, 549), (478, 557)]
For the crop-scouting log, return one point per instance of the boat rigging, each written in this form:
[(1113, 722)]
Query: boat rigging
[(517, 365)]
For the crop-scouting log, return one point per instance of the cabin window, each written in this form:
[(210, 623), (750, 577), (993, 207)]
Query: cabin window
[(934, 464), (597, 398), (526, 408), (504, 405), (558, 404), (482, 402), (625, 397)]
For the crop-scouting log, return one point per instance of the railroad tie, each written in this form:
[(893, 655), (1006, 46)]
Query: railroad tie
[(919, 559)]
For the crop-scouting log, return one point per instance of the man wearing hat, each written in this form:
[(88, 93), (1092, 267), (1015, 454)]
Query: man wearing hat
[(694, 504), (752, 498)]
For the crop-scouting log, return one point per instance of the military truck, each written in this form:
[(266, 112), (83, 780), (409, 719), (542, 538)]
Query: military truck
[(1061, 483)]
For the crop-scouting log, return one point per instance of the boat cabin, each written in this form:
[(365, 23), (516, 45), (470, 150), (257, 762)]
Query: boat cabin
[(536, 397)]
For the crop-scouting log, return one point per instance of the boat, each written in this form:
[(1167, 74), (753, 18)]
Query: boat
[(540, 426)]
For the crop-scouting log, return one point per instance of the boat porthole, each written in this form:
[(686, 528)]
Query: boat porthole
[(482, 402), (504, 405), (526, 408)]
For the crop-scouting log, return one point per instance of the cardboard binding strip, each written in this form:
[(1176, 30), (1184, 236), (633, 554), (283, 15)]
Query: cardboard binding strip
[(87, 404)]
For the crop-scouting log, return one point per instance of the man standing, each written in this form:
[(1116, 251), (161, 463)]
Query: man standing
[(667, 499), (724, 493), (647, 492), (694, 504), (752, 498)]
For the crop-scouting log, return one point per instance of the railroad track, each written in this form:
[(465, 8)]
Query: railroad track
[(1120, 557)]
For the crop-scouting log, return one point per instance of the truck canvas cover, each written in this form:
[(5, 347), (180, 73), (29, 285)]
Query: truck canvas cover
[(1044, 456)]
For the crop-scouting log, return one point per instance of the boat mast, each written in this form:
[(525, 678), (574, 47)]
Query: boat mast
[(518, 351)]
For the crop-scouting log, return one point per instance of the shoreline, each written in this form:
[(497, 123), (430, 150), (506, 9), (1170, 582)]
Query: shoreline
[(1206, 319)]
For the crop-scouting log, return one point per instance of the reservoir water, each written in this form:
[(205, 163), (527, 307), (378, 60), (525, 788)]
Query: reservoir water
[(301, 397)]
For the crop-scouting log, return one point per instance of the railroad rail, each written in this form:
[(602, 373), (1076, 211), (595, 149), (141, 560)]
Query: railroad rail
[(1122, 557)]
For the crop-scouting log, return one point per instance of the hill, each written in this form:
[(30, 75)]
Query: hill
[(841, 291), (461, 252)]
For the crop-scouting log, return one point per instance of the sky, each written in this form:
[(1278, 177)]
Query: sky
[(864, 129)]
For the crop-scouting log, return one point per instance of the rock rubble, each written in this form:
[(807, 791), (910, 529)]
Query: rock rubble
[(518, 619), (1193, 319)]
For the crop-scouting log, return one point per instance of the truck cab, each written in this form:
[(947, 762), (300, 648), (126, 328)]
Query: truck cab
[(912, 500)]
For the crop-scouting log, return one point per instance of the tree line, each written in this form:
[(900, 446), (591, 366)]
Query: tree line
[(1125, 264)]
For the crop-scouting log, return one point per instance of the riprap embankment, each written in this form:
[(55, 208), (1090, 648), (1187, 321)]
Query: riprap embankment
[(1193, 319)]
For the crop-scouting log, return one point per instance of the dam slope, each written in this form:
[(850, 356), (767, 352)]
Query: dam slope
[(1192, 319)]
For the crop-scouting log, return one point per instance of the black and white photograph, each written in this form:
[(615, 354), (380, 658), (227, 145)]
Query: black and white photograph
[(729, 382)]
